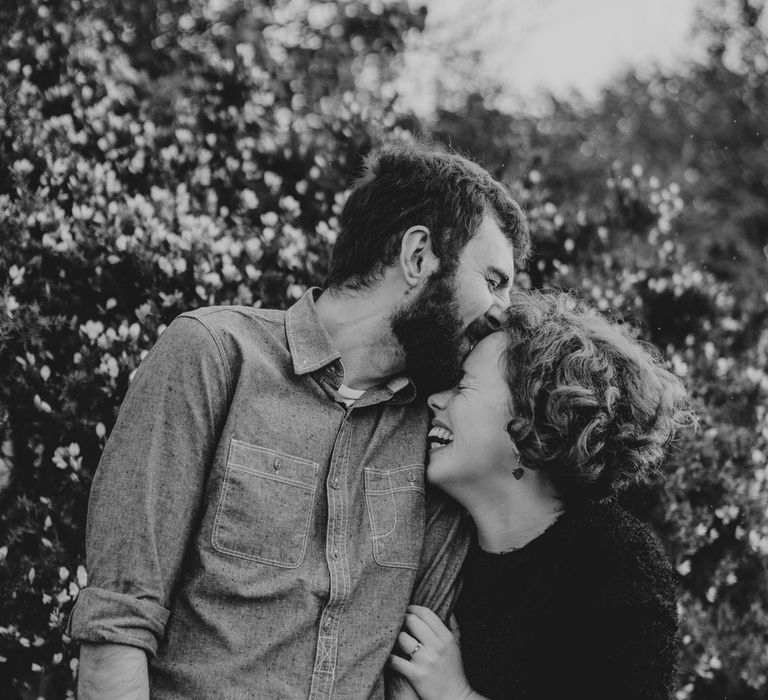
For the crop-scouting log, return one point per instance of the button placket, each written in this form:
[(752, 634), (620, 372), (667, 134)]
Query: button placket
[(322, 684)]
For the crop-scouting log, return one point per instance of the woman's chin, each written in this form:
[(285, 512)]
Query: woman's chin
[(437, 464)]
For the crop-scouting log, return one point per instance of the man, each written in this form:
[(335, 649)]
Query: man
[(257, 521)]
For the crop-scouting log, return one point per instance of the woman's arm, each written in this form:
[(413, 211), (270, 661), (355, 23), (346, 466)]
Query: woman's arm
[(623, 651), (432, 663), (639, 648)]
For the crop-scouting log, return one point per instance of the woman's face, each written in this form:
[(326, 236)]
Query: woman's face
[(468, 441)]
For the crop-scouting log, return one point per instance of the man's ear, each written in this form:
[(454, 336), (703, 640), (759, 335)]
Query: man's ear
[(417, 259)]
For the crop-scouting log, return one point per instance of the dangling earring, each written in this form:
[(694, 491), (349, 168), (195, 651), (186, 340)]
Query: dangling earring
[(518, 472)]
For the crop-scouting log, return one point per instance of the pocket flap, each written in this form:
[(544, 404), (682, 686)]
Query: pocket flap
[(272, 464), (407, 478)]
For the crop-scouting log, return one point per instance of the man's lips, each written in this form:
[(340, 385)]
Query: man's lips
[(477, 330), (466, 345)]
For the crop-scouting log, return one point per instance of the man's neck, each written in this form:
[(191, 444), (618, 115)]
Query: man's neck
[(359, 326)]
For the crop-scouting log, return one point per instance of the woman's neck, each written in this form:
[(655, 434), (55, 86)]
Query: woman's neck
[(509, 518)]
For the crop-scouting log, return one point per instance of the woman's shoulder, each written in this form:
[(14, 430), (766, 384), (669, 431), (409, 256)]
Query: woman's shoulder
[(615, 525), (621, 557)]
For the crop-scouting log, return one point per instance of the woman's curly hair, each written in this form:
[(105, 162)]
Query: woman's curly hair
[(591, 404)]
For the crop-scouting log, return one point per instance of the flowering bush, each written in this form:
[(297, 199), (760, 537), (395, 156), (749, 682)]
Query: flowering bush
[(160, 155), (145, 172), (676, 244), (710, 507)]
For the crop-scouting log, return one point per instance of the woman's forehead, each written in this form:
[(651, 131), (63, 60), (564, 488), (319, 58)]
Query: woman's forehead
[(486, 354)]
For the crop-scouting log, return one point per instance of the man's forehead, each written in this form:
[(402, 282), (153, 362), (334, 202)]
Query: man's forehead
[(491, 247)]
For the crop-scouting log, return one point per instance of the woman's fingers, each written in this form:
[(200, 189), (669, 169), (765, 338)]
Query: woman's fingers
[(407, 643), (419, 629), (432, 621), (409, 646), (432, 663), (402, 666)]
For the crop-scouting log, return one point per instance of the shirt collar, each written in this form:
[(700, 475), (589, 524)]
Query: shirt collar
[(310, 345), (312, 349), (403, 390)]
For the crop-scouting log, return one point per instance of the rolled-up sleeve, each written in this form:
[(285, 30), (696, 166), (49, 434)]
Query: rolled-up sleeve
[(147, 491)]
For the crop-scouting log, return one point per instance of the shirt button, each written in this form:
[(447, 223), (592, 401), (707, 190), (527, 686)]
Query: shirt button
[(327, 624), (335, 483), (335, 553), (411, 477), (276, 464)]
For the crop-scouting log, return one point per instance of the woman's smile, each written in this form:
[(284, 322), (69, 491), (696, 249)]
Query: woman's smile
[(439, 436), (470, 418)]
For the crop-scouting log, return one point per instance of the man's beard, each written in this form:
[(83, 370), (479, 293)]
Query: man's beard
[(432, 335)]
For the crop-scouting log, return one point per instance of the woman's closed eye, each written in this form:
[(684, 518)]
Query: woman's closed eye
[(463, 387)]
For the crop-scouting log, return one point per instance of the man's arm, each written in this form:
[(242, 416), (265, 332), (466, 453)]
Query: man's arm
[(115, 671), (144, 506), (446, 541)]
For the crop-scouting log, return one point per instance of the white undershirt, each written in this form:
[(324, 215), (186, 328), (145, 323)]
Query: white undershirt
[(347, 395)]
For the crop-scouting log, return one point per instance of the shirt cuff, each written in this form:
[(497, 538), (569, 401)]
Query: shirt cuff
[(102, 616)]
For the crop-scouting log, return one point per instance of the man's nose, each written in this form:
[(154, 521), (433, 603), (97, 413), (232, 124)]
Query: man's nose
[(495, 314)]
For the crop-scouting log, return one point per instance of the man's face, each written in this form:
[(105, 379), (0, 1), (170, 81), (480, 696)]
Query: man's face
[(454, 310)]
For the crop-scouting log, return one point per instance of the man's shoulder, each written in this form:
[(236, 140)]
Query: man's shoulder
[(225, 316), (235, 328)]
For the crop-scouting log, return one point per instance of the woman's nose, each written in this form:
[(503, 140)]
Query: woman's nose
[(437, 401)]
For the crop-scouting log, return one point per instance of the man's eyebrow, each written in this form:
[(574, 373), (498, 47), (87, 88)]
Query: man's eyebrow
[(503, 276)]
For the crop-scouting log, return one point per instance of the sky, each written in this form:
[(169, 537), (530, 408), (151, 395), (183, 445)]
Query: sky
[(530, 46)]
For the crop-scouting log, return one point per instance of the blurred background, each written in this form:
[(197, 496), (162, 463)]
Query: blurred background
[(156, 156)]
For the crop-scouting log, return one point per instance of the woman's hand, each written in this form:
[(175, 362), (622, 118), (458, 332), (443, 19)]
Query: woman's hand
[(433, 660)]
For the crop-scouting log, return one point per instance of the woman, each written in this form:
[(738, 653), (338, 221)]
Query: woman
[(565, 594)]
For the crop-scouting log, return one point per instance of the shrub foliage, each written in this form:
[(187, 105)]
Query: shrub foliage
[(159, 156)]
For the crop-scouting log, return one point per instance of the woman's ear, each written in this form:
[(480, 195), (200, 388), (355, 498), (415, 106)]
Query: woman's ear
[(516, 428), (417, 259)]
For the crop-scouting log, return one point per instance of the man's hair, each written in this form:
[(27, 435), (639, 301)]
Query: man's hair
[(410, 184), (592, 407)]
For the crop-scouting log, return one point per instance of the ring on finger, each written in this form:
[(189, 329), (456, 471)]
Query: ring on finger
[(415, 649)]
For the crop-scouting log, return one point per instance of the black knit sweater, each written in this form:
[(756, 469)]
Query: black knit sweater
[(586, 610)]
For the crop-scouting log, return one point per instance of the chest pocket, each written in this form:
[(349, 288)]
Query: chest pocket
[(396, 510), (265, 506)]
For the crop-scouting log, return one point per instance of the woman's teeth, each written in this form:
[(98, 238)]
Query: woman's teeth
[(438, 437)]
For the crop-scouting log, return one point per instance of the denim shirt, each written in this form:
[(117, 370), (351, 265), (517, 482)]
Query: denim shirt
[(253, 535)]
